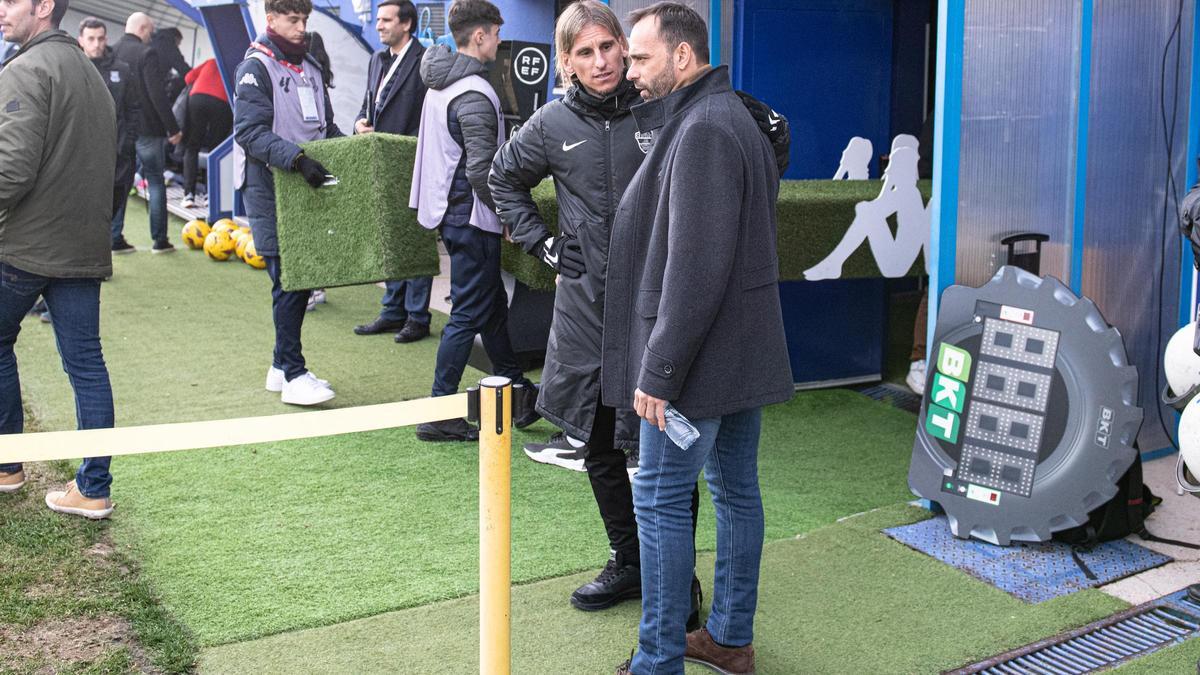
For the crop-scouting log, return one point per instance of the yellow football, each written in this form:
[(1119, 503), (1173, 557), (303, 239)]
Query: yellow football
[(194, 232), (227, 225), (241, 240), (218, 245), (251, 256)]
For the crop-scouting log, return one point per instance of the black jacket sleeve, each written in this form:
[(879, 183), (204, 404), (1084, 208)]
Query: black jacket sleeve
[(127, 135), (519, 166), (477, 118), (253, 116), (156, 89), (331, 127)]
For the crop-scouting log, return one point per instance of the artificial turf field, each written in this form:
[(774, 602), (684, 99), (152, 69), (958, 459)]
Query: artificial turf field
[(359, 554)]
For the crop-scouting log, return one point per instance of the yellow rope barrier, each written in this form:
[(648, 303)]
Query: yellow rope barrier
[(50, 445)]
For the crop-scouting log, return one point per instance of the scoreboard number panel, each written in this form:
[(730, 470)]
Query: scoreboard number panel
[(1024, 373)]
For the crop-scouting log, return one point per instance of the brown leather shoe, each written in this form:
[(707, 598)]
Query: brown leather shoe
[(72, 502), (702, 649), (11, 482)]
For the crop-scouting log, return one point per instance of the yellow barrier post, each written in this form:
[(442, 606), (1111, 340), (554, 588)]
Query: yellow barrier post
[(495, 524)]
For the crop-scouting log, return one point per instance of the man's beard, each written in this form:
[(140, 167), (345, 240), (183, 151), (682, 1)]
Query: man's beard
[(661, 85)]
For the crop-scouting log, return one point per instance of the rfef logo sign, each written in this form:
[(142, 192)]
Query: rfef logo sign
[(531, 65), (949, 393)]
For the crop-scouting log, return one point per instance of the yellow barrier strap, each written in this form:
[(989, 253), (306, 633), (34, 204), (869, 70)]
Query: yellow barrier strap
[(51, 445)]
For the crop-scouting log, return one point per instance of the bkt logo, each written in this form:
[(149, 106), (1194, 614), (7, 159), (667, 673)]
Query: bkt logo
[(949, 393)]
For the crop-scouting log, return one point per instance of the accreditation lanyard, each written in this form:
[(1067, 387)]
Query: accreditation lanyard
[(304, 88)]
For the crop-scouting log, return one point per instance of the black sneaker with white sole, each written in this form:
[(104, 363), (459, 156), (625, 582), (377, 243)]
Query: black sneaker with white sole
[(558, 451), (163, 246)]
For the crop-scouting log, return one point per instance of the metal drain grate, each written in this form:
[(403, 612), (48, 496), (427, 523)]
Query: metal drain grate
[(1106, 643), (893, 395)]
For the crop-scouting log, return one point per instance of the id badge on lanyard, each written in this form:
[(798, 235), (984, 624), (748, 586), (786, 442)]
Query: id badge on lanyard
[(308, 101)]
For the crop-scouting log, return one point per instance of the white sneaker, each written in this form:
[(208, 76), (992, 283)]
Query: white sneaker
[(318, 296), (306, 390), (276, 380), (916, 377), (189, 202)]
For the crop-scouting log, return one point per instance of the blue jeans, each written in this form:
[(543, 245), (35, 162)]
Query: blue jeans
[(75, 304), (480, 307), (407, 299), (152, 154), (287, 310), (727, 450)]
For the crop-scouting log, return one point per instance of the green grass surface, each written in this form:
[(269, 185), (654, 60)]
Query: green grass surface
[(374, 237), (62, 583), (841, 599), (246, 542)]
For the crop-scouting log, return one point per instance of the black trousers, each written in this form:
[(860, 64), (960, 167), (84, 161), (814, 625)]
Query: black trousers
[(287, 310), (605, 465), (208, 123)]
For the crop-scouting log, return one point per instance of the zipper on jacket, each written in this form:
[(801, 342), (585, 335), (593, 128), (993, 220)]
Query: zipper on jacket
[(608, 196)]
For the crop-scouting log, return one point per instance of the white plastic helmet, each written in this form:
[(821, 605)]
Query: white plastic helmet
[(1189, 445), (1182, 368)]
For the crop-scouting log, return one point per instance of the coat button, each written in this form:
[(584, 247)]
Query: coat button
[(668, 369)]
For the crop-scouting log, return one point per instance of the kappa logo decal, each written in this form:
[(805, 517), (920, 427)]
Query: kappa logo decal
[(249, 79), (645, 140)]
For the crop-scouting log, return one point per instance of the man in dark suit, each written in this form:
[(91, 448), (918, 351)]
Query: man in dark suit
[(392, 105)]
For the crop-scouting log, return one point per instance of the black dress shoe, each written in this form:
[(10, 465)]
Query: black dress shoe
[(616, 582), (412, 332), (379, 325), (447, 430), (528, 394)]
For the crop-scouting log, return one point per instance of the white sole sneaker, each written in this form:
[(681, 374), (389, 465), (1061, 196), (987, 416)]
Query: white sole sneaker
[(566, 459), (5, 489), (97, 514), (309, 397), (276, 380)]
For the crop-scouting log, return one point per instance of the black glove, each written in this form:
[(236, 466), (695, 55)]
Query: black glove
[(312, 171), (773, 125), (563, 254)]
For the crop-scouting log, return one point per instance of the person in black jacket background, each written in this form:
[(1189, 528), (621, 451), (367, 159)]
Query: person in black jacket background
[(156, 124), (166, 42), (392, 104), (93, 37)]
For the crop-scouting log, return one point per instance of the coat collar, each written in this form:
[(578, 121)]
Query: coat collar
[(652, 115), (411, 58)]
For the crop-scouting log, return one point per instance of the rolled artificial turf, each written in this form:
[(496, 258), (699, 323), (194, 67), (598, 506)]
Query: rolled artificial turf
[(359, 230), (813, 215), (362, 231)]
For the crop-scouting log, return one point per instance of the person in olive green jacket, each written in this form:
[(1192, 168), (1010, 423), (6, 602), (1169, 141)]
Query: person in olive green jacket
[(58, 140)]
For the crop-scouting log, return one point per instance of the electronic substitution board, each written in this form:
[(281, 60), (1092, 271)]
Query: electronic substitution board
[(1030, 410)]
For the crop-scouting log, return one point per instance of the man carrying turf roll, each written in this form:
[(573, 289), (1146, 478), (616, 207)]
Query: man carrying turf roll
[(588, 142), (281, 101), (461, 127)]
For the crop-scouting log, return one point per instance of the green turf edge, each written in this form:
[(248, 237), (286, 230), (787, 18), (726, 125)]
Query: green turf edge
[(841, 599), (1181, 658)]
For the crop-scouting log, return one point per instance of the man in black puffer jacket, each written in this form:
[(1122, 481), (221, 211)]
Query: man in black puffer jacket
[(588, 142)]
